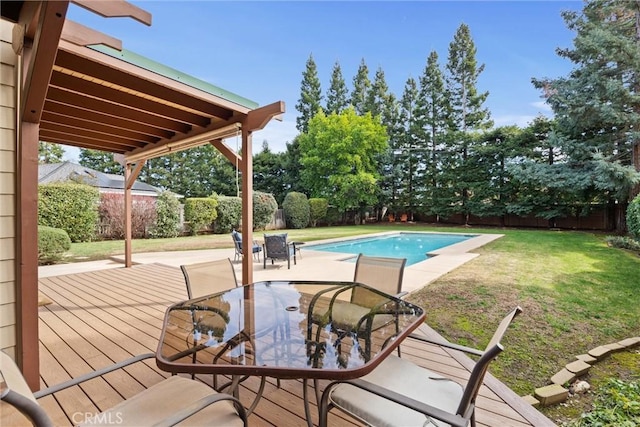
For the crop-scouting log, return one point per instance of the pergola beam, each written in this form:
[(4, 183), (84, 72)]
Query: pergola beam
[(116, 9), (42, 57)]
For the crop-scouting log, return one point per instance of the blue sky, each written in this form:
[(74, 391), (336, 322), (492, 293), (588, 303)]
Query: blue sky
[(259, 49)]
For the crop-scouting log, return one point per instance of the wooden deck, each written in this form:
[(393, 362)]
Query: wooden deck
[(102, 317)]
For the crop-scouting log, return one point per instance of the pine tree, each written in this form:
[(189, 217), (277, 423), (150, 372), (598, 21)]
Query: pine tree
[(433, 113), (467, 113), (101, 161), (408, 151), (361, 87), (310, 96), (337, 93), (49, 152), (377, 96), (597, 105)]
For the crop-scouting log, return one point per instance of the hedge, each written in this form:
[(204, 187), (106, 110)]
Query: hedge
[(167, 216), (200, 212), (633, 218), (70, 206), (296, 210), (52, 244), (264, 207), (229, 214)]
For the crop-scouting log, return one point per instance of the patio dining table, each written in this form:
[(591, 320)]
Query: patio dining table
[(281, 329)]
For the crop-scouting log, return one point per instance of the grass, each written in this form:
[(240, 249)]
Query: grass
[(576, 292)]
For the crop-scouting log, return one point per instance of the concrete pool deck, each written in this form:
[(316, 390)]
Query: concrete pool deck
[(312, 265)]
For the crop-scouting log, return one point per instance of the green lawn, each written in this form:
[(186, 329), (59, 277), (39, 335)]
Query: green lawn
[(577, 293)]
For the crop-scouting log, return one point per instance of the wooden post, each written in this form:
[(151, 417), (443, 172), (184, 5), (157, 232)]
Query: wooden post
[(28, 355), (247, 207)]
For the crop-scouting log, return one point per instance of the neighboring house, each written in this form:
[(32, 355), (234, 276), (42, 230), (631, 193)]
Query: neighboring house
[(105, 182)]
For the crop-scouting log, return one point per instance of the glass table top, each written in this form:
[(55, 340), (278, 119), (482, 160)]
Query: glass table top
[(286, 329)]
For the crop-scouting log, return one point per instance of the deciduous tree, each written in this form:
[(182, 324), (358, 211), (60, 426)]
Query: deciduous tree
[(338, 155)]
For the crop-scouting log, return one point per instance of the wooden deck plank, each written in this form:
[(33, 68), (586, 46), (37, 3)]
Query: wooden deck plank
[(102, 317)]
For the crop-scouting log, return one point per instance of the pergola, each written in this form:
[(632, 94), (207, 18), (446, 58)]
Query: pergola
[(80, 88)]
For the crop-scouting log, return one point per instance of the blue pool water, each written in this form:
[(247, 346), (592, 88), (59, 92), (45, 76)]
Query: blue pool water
[(412, 246)]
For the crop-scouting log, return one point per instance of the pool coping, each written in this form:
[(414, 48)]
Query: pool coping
[(417, 275)]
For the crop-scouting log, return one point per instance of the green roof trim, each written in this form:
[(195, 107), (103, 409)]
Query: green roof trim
[(173, 74)]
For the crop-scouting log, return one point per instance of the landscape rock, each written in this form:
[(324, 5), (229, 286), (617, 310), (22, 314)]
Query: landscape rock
[(580, 387)]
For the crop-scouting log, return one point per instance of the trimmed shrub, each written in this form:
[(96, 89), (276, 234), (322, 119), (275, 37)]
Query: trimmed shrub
[(296, 210), (623, 242), (264, 206), (200, 212), (52, 244), (71, 207), (167, 216), (229, 213), (633, 217), (317, 210), (112, 218)]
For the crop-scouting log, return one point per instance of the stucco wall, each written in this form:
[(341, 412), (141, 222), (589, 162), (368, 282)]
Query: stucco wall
[(8, 62)]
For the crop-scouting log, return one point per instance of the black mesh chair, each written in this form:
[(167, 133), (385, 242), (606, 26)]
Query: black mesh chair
[(276, 247)]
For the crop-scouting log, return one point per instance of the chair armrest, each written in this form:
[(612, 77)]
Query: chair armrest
[(199, 405), (27, 407), (416, 405), (100, 372), (447, 344)]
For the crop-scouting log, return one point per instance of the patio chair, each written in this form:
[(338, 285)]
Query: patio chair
[(381, 273), (398, 392), (166, 403), (237, 244), (209, 277), (276, 247)]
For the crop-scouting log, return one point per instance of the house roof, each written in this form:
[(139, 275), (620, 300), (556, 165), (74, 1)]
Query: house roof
[(67, 171)]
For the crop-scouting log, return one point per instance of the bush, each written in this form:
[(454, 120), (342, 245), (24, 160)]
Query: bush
[(200, 212), (229, 214), (296, 210), (52, 244), (112, 218), (317, 210), (633, 217), (71, 207), (167, 216), (264, 206), (623, 242)]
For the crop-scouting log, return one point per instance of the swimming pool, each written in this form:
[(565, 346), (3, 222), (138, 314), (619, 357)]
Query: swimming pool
[(412, 246)]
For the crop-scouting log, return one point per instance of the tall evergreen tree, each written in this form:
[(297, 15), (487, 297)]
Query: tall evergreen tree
[(409, 149), (269, 173), (100, 160), (597, 105), (389, 163), (433, 112), (467, 113), (378, 95), (337, 93), (49, 152), (361, 88), (310, 96)]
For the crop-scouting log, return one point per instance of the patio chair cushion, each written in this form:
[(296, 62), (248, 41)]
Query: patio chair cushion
[(163, 400), (408, 379), (345, 315)]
